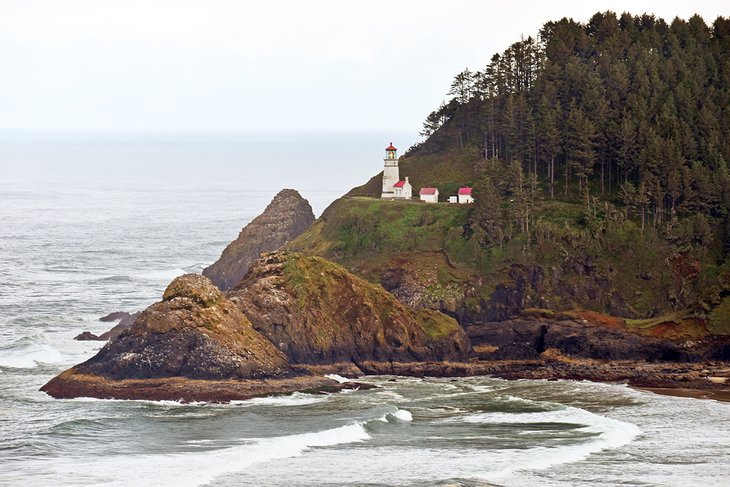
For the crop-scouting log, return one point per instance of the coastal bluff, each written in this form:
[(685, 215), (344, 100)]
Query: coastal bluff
[(312, 317), (285, 218)]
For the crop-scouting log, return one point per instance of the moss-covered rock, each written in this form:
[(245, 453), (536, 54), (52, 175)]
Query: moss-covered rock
[(315, 311), (194, 333), (199, 289)]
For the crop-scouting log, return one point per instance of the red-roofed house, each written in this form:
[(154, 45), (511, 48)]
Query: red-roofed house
[(429, 195), (403, 189), (464, 195)]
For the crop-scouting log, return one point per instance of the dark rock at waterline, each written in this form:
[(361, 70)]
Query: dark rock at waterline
[(520, 339), (114, 316), (286, 217), (86, 336), (123, 324), (125, 321)]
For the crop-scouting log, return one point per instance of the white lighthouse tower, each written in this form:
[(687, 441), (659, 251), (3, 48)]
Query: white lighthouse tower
[(390, 172)]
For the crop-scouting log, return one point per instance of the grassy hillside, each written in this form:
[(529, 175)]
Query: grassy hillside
[(601, 183), (426, 255)]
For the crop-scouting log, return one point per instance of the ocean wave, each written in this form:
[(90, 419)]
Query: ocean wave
[(198, 468), (398, 415), (294, 399), (601, 432), (338, 378), (402, 415), (31, 357)]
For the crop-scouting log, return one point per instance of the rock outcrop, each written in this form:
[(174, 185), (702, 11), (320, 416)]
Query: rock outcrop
[(286, 217), (311, 317), (193, 334), (316, 312), (125, 321), (528, 339)]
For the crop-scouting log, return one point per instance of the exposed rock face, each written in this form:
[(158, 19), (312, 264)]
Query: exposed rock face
[(528, 339), (287, 216), (194, 333), (197, 341), (317, 312)]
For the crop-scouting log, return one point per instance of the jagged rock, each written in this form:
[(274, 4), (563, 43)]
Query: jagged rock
[(194, 333), (114, 316), (125, 321), (317, 312), (528, 338), (123, 324), (287, 216)]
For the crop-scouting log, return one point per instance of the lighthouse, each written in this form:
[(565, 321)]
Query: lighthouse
[(390, 172)]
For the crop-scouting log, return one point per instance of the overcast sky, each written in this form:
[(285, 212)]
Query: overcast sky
[(217, 65)]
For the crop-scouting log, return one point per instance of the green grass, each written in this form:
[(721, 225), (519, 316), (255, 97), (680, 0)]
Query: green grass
[(361, 225), (437, 325), (643, 324)]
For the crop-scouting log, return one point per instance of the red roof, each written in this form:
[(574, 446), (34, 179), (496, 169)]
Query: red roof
[(425, 191), (391, 147), (465, 191), (399, 184)]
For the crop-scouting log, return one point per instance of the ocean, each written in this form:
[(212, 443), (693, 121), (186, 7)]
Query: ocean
[(91, 224)]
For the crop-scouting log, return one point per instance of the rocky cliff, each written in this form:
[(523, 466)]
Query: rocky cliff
[(317, 312), (287, 216)]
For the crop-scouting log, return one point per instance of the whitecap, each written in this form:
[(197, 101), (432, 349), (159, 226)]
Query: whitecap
[(295, 399), (196, 468), (30, 357), (337, 378), (607, 433), (402, 415)]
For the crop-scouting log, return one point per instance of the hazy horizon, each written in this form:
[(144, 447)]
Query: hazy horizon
[(242, 67)]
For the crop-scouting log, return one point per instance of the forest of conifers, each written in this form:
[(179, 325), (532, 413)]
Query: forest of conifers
[(629, 109)]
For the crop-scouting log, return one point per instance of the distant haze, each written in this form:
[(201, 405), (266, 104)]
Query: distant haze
[(177, 65)]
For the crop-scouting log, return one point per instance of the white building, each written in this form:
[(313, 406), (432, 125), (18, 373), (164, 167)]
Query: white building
[(403, 190), (390, 172), (429, 195), (465, 196), (453, 199)]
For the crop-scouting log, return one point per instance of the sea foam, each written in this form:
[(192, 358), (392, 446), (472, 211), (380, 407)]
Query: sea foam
[(197, 468)]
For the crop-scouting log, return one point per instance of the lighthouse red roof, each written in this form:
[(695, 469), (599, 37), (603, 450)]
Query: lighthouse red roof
[(465, 191), (425, 191), (399, 184), (391, 147)]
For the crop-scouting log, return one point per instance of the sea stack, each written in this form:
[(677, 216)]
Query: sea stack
[(286, 217)]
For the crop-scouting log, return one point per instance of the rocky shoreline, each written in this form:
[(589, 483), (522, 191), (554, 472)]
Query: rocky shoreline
[(71, 384), (276, 323), (702, 381)]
